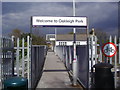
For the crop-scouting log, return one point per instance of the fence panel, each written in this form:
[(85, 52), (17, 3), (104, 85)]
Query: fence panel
[(112, 60), (83, 65), (21, 61), (38, 59), (6, 58), (22, 58), (66, 55)]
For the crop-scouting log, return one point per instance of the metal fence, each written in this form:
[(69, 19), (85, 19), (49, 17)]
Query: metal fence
[(6, 58), (89, 55), (18, 60), (99, 57), (37, 62), (65, 53), (22, 58), (29, 60)]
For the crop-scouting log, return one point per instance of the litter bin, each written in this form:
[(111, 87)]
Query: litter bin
[(16, 83), (103, 76)]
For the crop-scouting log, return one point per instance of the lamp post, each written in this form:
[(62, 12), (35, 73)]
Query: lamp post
[(74, 52)]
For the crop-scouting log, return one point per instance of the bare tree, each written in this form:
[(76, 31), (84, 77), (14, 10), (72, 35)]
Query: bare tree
[(16, 33)]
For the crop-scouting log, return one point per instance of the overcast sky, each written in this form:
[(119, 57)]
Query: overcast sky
[(101, 15)]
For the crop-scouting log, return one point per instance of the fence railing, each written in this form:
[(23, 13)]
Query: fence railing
[(18, 60), (6, 58), (65, 53), (22, 56), (87, 60), (115, 60), (29, 60), (22, 62), (38, 58)]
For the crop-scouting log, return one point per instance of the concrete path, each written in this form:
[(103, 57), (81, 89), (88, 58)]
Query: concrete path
[(55, 74)]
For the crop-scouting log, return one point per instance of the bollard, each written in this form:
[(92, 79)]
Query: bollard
[(16, 83), (103, 76)]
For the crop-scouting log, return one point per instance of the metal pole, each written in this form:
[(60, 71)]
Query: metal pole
[(88, 57), (55, 39), (13, 56), (91, 58), (88, 48), (17, 57), (28, 60), (62, 54), (119, 50), (0, 59), (95, 49), (30, 79), (46, 36), (110, 40), (70, 55), (66, 57), (74, 52), (115, 64), (100, 56), (23, 63)]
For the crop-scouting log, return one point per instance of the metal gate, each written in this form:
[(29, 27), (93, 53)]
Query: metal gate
[(96, 56), (89, 55), (7, 58)]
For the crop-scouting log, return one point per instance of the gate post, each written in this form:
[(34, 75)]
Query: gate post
[(13, 56), (75, 69)]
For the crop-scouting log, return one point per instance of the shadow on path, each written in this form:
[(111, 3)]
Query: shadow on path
[(56, 70)]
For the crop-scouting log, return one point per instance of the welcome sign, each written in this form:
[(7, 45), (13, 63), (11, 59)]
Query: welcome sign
[(59, 21)]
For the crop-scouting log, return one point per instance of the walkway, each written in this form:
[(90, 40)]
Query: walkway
[(55, 74)]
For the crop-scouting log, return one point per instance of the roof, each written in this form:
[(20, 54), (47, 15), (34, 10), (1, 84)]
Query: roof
[(69, 37)]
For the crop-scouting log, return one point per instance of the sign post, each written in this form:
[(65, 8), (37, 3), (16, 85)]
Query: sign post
[(75, 68)]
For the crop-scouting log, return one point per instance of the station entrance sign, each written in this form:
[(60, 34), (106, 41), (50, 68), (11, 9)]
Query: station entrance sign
[(73, 22), (109, 49), (46, 21)]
